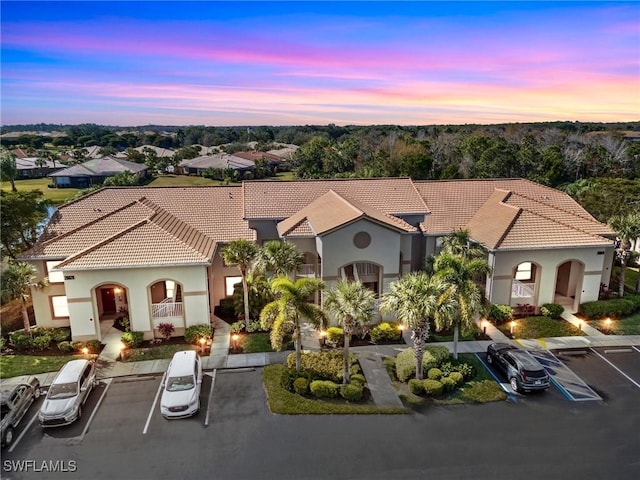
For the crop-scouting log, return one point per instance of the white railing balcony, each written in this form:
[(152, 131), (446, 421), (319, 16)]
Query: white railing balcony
[(307, 270), (366, 268), (522, 290), (166, 309)]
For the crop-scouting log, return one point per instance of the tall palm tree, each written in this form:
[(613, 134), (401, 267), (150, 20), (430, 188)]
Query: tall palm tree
[(459, 243), (627, 228), (279, 258), (418, 299), (458, 272), (241, 253), (8, 168), (285, 314), (20, 279), (352, 303)]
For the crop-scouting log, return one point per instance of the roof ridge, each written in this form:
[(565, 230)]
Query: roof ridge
[(528, 197), (363, 212), (510, 226)]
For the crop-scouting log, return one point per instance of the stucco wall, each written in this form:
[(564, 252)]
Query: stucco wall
[(548, 261), (40, 297)]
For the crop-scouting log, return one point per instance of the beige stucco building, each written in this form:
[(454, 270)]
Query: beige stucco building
[(153, 253)]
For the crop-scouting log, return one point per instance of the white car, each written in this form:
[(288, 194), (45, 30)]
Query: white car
[(181, 386)]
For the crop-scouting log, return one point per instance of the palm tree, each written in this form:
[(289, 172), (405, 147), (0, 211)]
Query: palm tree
[(285, 314), (627, 228), (352, 303), (241, 253), (279, 258), (20, 279), (459, 243), (8, 168), (417, 299), (458, 272)]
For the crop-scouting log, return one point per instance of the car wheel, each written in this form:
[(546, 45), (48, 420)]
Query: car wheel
[(8, 436), (36, 392), (489, 359), (79, 413), (514, 384)]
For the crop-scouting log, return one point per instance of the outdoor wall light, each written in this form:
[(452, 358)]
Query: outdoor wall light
[(235, 338), (85, 352), (202, 343)]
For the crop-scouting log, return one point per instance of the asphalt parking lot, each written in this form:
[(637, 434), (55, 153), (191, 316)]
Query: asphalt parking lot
[(122, 435)]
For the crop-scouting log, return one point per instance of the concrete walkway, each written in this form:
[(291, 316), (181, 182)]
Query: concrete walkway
[(382, 390)]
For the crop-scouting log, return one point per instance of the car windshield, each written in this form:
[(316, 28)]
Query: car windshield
[(62, 390), (178, 384)]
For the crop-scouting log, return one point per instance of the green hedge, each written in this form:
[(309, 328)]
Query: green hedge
[(335, 336), (433, 356), (551, 310), (615, 307), (499, 314), (195, 332), (130, 339), (386, 332), (325, 365), (352, 392), (301, 386), (324, 389), (416, 386), (432, 388)]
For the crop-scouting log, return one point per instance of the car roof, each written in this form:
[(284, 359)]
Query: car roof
[(70, 371), (526, 359), (182, 363)]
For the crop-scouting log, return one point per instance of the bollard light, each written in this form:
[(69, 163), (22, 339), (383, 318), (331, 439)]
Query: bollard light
[(202, 341), (607, 324), (513, 327), (122, 347), (235, 338), (323, 337), (85, 352)]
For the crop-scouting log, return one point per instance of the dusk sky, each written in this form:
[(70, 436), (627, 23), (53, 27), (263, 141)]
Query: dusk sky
[(295, 63)]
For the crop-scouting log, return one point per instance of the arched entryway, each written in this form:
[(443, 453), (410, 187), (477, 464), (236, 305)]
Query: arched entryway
[(524, 284), (370, 274), (166, 303), (112, 302), (569, 284)]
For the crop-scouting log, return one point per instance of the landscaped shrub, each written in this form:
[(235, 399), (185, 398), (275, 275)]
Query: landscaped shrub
[(335, 336), (498, 314), (65, 347), (432, 388), (61, 334), (386, 332), (457, 377), (41, 342), (254, 326), (227, 309), (20, 340), (301, 386), (3, 343), (358, 378), (468, 371), (237, 327), (93, 346), (551, 310), (194, 333), (130, 339), (433, 356), (326, 365), (76, 346), (448, 383), (616, 308), (166, 329), (416, 386), (434, 374), (288, 376), (324, 389), (351, 392)]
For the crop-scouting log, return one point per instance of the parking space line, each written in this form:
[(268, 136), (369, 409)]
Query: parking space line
[(153, 406), (510, 393), (23, 433), (636, 349), (570, 384), (95, 410), (617, 369), (213, 381)]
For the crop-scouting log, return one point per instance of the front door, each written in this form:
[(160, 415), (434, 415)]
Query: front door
[(108, 300)]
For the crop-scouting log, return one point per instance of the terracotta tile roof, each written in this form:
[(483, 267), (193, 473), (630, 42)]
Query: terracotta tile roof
[(254, 156), (100, 166), (217, 160), (332, 210), (474, 204), (279, 200)]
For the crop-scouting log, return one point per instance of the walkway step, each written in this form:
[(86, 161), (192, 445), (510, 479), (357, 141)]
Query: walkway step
[(378, 381)]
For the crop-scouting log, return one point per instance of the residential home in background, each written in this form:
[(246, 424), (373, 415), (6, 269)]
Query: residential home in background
[(36, 167), (221, 161), (95, 172), (154, 253)]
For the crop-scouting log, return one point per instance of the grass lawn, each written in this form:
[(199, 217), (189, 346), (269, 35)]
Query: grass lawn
[(158, 352), (254, 343), (55, 195), (481, 389), (284, 402), (540, 327), (448, 336), (182, 181), (16, 365), (624, 326)]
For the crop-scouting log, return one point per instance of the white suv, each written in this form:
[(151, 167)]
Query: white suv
[(181, 386)]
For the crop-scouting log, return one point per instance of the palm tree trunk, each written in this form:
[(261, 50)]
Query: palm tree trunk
[(25, 318), (456, 332), (345, 365), (298, 341), (419, 338), (245, 296), (623, 268), (638, 283)]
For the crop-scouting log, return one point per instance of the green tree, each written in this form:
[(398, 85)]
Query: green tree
[(121, 179), (459, 272), (8, 168), (20, 279), (241, 253), (279, 258), (627, 228), (21, 214), (352, 304), (285, 314), (459, 243), (418, 299)]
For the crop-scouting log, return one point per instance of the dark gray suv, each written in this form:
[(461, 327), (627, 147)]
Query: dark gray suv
[(522, 370)]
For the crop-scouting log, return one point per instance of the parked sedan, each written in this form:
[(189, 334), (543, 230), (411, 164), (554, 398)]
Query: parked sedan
[(522, 370), (15, 400)]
